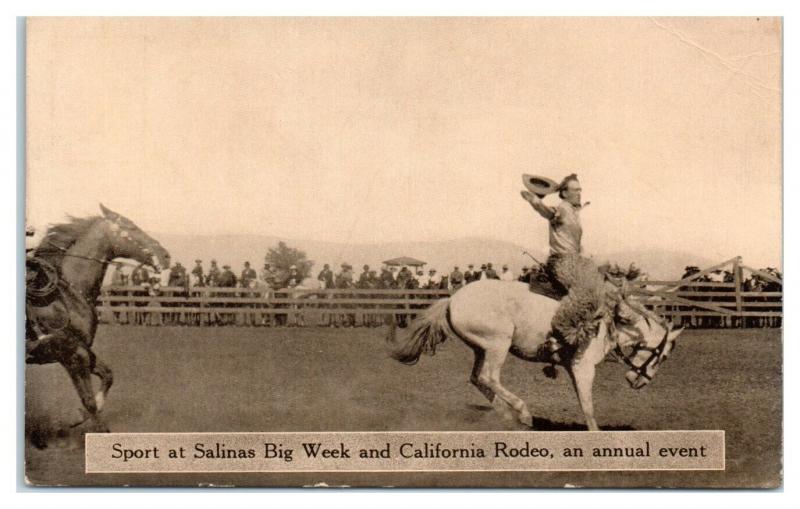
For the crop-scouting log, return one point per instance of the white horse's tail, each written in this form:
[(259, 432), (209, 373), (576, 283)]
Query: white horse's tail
[(426, 332)]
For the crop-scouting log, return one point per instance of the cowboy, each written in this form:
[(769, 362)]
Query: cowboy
[(565, 222), (197, 273), (248, 275)]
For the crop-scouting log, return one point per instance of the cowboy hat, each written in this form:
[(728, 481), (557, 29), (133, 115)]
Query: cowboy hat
[(538, 185)]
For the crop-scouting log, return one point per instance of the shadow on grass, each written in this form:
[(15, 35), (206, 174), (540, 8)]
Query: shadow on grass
[(541, 424)]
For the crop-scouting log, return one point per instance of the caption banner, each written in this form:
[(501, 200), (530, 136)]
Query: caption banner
[(404, 451)]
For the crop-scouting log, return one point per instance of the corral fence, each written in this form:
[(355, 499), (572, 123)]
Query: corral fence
[(695, 301), (690, 302)]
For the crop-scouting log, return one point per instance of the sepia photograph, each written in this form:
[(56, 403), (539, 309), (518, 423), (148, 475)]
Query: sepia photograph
[(419, 252)]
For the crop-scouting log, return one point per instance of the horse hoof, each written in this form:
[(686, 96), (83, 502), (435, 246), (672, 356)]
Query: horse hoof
[(527, 420)]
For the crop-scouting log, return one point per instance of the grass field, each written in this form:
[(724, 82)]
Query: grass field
[(257, 379)]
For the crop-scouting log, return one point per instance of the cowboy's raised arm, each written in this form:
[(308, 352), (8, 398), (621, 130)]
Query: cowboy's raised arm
[(538, 205)]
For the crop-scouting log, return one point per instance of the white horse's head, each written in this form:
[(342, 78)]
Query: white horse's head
[(644, 341)]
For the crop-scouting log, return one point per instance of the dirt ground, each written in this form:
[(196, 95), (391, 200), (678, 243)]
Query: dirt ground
[(287, 379)]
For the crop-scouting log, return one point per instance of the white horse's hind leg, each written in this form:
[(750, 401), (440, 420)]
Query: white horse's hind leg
[(475, 379)]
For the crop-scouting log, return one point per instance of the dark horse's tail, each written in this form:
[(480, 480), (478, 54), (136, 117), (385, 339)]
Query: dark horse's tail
[(426, 332)]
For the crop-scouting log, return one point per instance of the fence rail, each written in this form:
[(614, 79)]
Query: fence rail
[(711, 305)]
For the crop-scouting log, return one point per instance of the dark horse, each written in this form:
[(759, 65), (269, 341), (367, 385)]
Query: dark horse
[(60, 327)]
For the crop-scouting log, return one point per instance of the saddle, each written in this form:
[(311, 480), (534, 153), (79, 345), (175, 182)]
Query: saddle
[(542, 284)]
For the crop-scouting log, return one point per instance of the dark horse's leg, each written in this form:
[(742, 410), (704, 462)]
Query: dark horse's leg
[(79, 365), (106, 379)]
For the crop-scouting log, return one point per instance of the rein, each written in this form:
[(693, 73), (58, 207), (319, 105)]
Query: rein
[(66, 253)]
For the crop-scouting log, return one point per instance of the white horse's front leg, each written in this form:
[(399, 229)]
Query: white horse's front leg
[(582, 374), (582, 370)]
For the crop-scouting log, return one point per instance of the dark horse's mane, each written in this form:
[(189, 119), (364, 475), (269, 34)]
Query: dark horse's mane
[(62, 236)]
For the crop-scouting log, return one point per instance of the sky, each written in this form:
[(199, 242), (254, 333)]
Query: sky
[(370, 130)]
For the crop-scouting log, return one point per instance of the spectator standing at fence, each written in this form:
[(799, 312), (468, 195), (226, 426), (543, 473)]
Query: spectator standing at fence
[(248, 275), (363, 278), (212, 279), (433, 280), (344, 281), (490, 272), (326, 282), (140, 276), (456, 279), (506, 275), (154, 318), (197, 274), (177, 275), (403, 276), (269, 276), (293, 280), (524, 275), (325, 277), (386, 279), (227, 279), (423, 279), (118, 278), (363, 283), (470, 274)]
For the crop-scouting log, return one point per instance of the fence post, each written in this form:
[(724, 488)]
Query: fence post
[(737, 283)]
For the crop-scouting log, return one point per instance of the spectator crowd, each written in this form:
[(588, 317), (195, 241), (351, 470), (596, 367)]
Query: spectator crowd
[(270, 294), (390, 277)]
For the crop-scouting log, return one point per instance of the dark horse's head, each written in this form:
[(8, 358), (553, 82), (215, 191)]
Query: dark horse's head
[(128, 241)]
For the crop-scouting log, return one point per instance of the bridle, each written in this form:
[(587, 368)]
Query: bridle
[(655, 354)]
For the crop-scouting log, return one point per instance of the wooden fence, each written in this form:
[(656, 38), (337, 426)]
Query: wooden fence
[(690, 301), (244, 306)]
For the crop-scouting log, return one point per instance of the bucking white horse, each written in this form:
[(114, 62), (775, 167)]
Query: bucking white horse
[(497, 317)]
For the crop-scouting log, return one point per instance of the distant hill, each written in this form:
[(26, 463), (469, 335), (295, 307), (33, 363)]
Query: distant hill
[(441, 255)]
